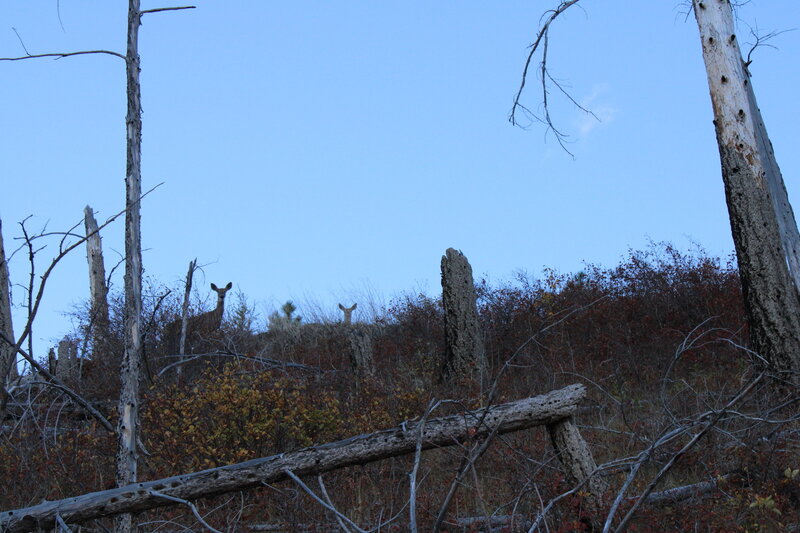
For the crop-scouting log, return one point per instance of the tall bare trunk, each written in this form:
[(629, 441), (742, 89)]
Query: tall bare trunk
[(185, 312), (8, 366), (763, 224), (98, 317), (130, 368), (185, 309)]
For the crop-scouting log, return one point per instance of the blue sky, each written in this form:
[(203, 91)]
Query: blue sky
[(322, 150)]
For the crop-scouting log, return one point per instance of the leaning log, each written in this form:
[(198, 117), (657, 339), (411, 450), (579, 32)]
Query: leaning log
[(401, 440)]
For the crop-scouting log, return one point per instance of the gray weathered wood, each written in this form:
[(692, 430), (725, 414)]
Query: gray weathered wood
[(361, 352), (762, 221), (8, 366), (8, 352), (446, 431), (575, 456), (66, 367), (98, 291), (464, 343), (130, 367), (187, 293)]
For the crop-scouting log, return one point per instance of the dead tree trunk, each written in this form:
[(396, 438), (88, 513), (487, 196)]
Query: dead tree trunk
[(67, 364), (401, 440), (185, 309), (98, 291), (130, 369), (762, 221), (361, 352), (8, 353), (464, 354), (185, 312), (8, 359), (575, 456)]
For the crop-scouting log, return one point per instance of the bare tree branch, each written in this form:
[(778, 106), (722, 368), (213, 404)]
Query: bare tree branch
[(160, 9), (60, 55), (190, 505), (20, 40), (542, 40), (58, 383), (677, 455)]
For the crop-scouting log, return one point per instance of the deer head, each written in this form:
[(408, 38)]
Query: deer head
[(348, 312)]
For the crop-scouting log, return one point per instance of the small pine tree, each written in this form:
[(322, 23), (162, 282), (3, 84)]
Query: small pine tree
[(287, 320), (242, 316)]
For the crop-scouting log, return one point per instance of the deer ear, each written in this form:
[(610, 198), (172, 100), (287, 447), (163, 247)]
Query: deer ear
[(228, 286), (354, 306), (341, 307), (214, 287)]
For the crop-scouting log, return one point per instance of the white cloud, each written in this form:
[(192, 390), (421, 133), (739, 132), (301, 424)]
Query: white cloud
[(601, 114)]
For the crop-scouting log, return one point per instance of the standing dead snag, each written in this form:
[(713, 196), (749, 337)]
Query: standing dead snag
[(98, 291), (361, 352), (131, 366), (8, 352), (8, 358), (762, 221), (185, 307), (464, 343), (66, 366)]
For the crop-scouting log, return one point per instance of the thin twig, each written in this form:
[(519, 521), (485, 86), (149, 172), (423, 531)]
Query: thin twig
[(468, 460), (55, 382), (190, 505), (158, 10), (542, 40), (412, 490), (623, 525), (61, 524), (322, 502), (20, 40)]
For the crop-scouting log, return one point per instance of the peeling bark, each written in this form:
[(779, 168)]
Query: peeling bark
[(98, 291), (8, 354), (361, 358), (575, 456), (130, 368), (8, 367), (762, 221)]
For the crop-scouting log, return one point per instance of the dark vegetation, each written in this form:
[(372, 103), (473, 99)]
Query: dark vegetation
[(658, 340)]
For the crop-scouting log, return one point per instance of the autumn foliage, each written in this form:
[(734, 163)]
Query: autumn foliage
[(659, 340)]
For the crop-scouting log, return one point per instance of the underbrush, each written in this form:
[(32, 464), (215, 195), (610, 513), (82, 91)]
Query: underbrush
[(660, 341)]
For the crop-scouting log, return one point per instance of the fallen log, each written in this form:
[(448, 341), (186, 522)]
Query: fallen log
[(445, 431), (686, 492)]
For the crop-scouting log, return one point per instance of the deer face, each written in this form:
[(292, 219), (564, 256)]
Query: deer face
[(221, 292), (348, 312)]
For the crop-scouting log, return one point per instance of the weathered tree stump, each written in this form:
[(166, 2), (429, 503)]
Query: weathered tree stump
[(361, 352), (465, 353)]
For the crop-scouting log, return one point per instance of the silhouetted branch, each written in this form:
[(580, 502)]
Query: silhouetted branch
[(158, 10), (59, 55), (541, 40)]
